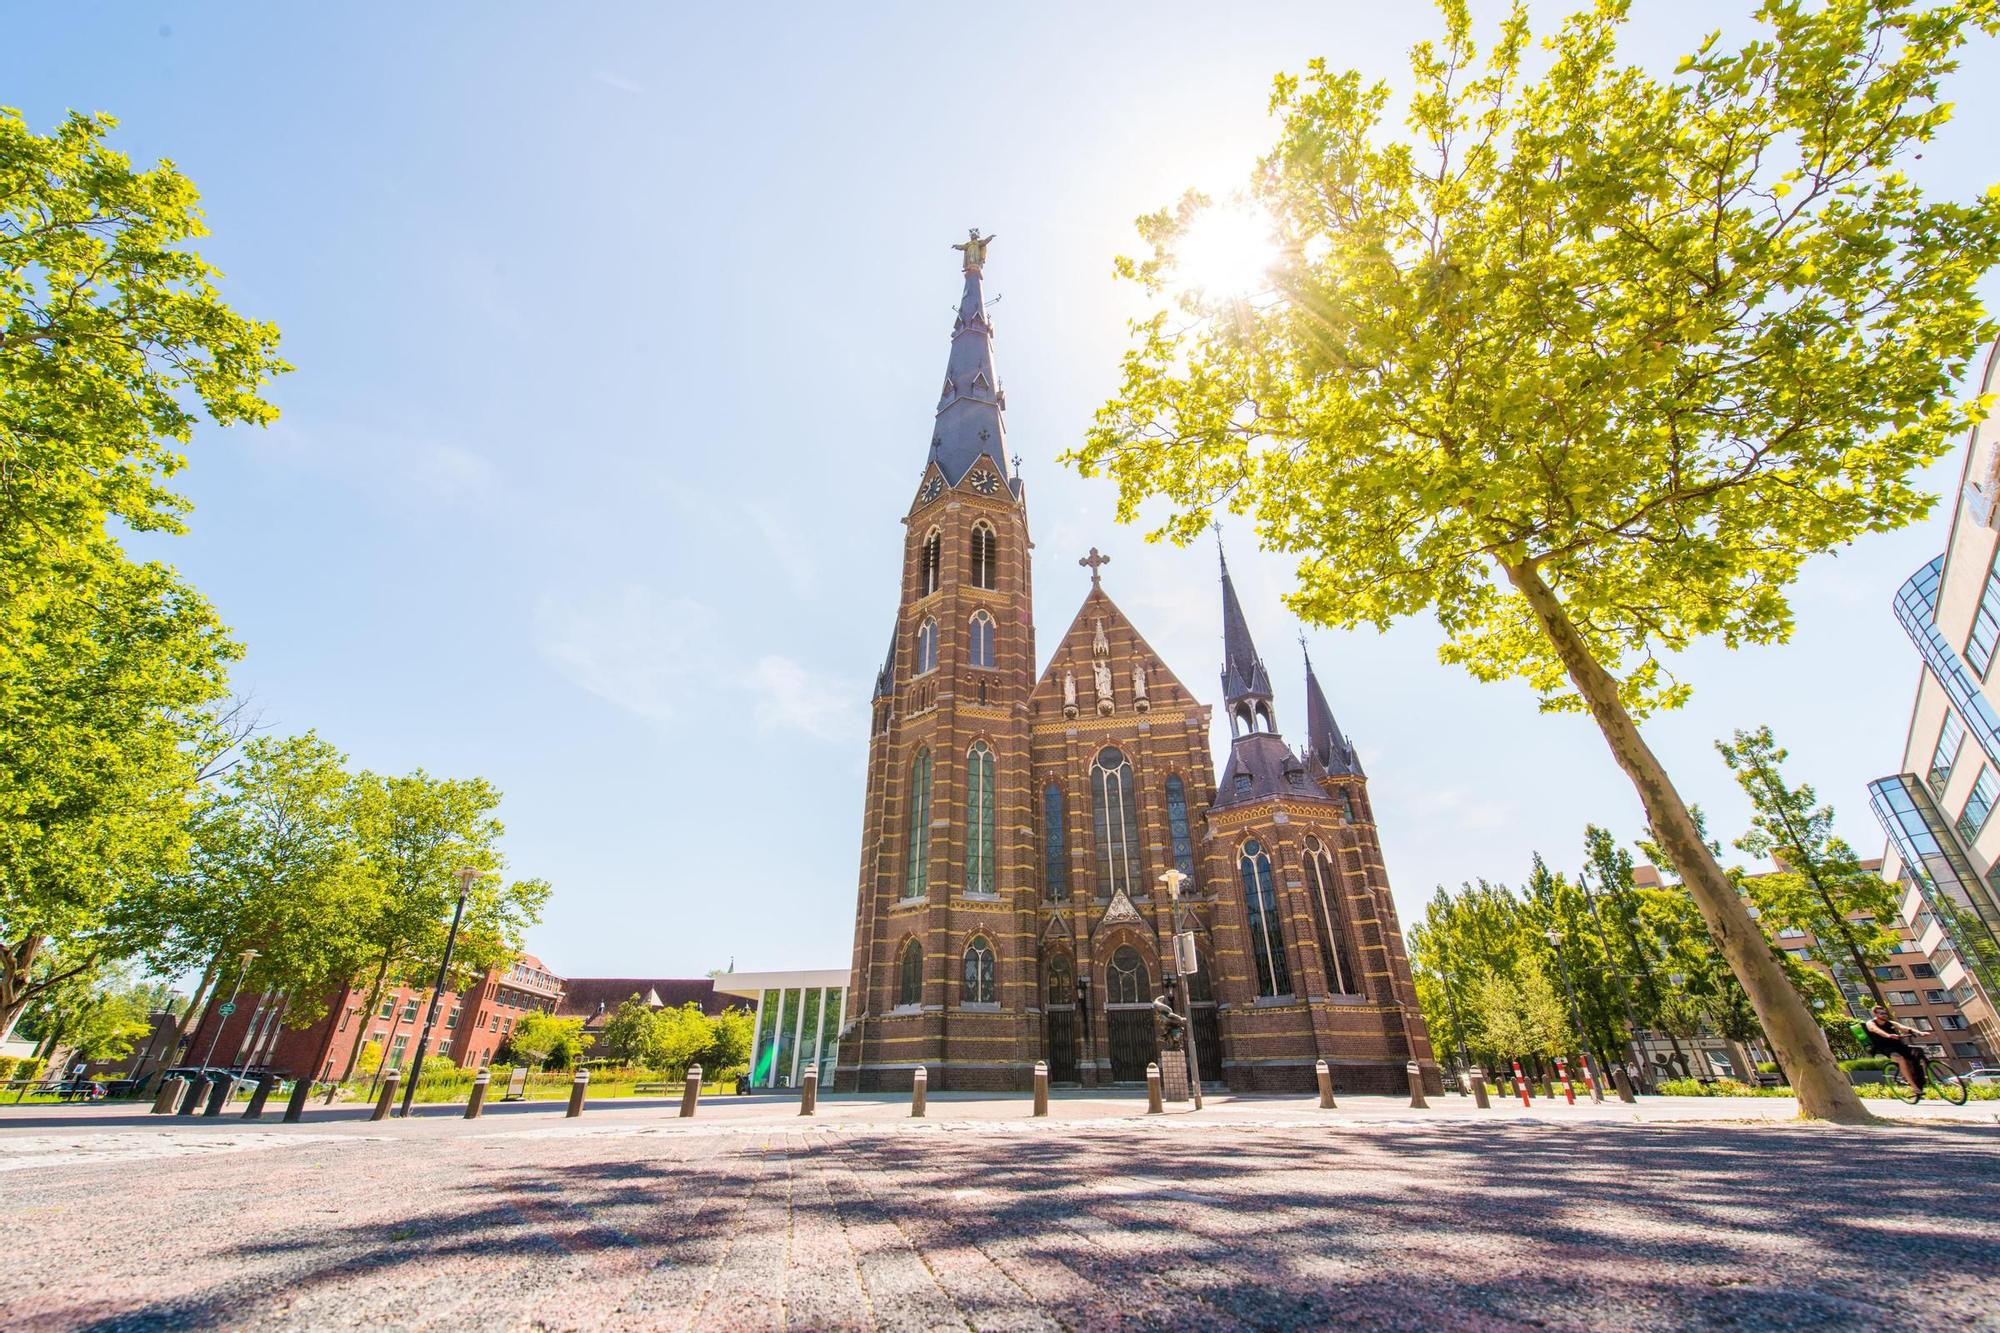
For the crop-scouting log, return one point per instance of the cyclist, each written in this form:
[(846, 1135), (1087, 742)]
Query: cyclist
[(1886, 1037)]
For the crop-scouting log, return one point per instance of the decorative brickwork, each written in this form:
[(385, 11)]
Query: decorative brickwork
[(1034, 816)]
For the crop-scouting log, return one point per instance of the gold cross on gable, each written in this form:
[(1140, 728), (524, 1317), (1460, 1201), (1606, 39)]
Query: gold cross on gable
[(1094, 562)]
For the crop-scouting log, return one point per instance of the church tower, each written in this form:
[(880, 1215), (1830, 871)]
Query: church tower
[(943, 973)]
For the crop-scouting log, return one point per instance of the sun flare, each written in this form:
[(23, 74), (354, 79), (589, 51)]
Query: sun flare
[(1227, 251)]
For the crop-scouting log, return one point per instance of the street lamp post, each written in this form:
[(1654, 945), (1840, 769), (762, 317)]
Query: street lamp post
[(228, 1007), (465, 876), (1576, 1015), (1185, 959)]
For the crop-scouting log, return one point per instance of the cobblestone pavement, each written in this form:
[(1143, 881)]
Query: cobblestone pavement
[(1257, 1216)]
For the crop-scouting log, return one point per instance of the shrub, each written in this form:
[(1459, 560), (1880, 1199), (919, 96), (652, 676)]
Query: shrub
[(1688, 1087), (7, 1063), (1866, 1062)]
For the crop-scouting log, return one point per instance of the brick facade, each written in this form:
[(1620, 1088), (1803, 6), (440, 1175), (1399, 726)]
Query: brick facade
[(1064, 894)]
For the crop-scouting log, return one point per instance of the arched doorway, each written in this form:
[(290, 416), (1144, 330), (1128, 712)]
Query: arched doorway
[(1059, 1018), (1128, 1007)]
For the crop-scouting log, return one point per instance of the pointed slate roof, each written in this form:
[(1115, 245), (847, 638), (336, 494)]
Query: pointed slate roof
[(885, 679), (1243, 674), (969, 414), (1325, 744)]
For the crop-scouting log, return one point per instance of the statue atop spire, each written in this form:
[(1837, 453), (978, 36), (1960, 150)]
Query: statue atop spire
[(974, 249)]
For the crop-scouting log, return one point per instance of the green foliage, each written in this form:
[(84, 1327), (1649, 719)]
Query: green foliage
[(114, 343), (368, 1057), (543, 1041), (1586, 364), (1722, 1087), (1821, 886), (669, 1039), (728, 1049)]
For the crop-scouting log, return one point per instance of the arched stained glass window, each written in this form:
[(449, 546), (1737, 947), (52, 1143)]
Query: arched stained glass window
[(982, 639), (1323, 887), (1177, 828), (985, 554), (979, 819), (1116, 811), (927, 647), (1129, 981), (930, 571), (1055, 843), (977, 987), (910, 975), (1267, 939), (917, 874)]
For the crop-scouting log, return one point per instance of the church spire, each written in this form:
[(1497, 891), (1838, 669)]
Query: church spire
[(1246, 686), (969, 413), (1324, 741)]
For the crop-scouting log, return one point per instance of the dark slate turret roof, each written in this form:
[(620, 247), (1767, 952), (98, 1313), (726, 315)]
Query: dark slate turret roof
[(1261, 765), (885, 679), (1243, 674), (1325, 744), (969, 415)]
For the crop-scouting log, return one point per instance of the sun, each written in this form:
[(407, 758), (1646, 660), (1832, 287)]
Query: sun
[(1227, 251)]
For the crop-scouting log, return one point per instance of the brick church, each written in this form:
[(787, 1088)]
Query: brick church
[(1018, 824)]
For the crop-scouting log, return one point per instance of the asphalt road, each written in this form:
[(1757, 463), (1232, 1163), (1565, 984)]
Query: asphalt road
[(1236, 1220)]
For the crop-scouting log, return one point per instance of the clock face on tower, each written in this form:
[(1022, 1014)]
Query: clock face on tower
[(932, 488), (984, 481)]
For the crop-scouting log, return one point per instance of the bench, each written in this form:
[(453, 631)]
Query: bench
[(641, 1089)]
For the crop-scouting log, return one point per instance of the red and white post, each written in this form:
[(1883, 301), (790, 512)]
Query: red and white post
[(1521, 1084), (1562, 1072)]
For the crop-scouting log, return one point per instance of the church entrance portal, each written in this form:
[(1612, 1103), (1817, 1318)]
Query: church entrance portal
[(1128, 1012)]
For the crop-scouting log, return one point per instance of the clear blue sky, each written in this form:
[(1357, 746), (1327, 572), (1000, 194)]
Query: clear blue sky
[(618, 331)]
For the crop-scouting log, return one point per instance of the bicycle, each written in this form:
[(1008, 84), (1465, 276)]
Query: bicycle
[(1938, 1078)]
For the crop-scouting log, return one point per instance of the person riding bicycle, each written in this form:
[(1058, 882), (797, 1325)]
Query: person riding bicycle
[(1885, 1037)]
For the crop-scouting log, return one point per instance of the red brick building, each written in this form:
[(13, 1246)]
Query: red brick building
[(471, 1025), (1017, 824)]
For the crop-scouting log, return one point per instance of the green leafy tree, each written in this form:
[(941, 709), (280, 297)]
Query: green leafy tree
[(1558, 905), (1587, 363), (728, 1048), (544, 1041), (114, 344), (1820, 886), (98, 1013), (1521, 1015), (415, 833), (627, 1031), (274, 866)]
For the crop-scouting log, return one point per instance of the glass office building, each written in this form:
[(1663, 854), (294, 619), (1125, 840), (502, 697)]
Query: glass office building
[(799, 1018)]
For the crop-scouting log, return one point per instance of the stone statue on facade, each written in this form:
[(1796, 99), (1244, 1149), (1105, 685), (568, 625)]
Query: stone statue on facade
[(1139, 687), (1102, 670), (974, 249), (1069, 693)]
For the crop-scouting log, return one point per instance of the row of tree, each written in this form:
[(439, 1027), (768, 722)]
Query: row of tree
[(141, 816), (1503, 974)]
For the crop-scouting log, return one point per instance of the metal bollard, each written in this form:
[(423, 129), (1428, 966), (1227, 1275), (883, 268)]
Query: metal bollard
[(1479, 1090), (1041, 1087), (1325, 1077), (170, 1091), (265, 1082), (477, 1103), (1623, 1084), (578, 1086), (388, 1095), (1417, 1087), (295, 1105), (809, 1092), (218, 1094), (920, 1083), (691, 1093), (1562, 1072), (1521, 1085), (1155, 1103)]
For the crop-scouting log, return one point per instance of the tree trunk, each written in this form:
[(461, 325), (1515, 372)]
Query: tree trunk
[(1823, 1091)]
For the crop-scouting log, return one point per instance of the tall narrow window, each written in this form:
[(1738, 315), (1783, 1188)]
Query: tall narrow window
[(927, 646), (985, 552), (1267, 939), (977, 987), (933, 564), (1117, 817), (982, 639), (1177, 828), (1985, 634), (910, 975), (1055, 844), (1978, 805), (1945, 758), (917, 875), (1329, 921), (979, 819)]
